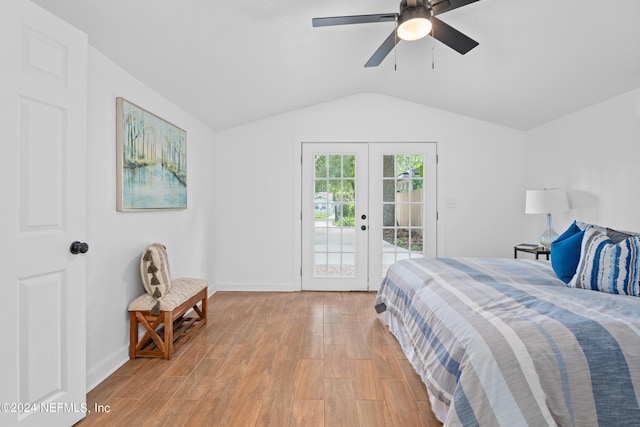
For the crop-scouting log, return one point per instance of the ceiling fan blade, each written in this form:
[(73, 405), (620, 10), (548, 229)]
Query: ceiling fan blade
[(355, 19), (442, 6), (451, 37), (384, 49)]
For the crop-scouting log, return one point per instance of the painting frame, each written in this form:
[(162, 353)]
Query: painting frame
[(151, 161)]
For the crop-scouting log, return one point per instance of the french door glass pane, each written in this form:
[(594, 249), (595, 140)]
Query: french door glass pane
[(334, 225), (402, 208)]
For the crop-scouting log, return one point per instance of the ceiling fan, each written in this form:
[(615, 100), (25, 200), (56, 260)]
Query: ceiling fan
[(417, 19)]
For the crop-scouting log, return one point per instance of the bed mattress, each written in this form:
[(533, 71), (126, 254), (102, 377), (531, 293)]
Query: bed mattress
[(505, 342)]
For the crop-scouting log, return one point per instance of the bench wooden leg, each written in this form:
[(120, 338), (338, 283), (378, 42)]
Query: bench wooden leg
[(168, 335), (133, 334), (165, 344)]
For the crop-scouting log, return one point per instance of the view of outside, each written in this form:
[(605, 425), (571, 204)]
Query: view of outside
[(334, 209), (402, 202)]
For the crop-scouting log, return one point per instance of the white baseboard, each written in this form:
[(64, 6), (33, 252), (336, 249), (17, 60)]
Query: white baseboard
[(255, 287), (107, 367)]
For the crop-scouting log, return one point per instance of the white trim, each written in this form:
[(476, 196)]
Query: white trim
[(296, 278), (255, 287), (107, 366)]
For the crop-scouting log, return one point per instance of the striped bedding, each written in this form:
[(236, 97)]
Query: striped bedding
[(503, 342)]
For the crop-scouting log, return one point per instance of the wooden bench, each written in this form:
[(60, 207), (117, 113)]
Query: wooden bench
[(164, 311), (159, 339)]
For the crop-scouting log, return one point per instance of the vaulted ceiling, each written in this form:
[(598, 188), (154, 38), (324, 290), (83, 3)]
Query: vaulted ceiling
[(232, 62)]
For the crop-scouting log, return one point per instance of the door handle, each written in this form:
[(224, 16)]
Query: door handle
[(363, 227), (78, 248)]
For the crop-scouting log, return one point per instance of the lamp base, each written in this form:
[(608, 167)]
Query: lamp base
[(549, 234)]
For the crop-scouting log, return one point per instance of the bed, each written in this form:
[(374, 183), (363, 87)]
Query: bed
[(504, 342)]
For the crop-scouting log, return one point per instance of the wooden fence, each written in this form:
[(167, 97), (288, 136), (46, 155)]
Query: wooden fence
[(409, 208)]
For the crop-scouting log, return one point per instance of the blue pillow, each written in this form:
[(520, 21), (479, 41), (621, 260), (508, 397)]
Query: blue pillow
[(572, 230), (565, 252)]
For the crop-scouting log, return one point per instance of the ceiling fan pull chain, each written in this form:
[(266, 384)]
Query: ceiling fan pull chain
[(395, 49), (433, 49)]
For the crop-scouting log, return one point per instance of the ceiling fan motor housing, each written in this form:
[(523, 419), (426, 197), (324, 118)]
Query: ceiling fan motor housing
[(412, 4)]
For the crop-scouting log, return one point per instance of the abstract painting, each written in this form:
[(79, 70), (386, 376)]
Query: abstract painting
[(151, 160)]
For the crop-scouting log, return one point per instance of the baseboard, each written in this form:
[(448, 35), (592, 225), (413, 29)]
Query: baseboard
[(255, 287), (107, 367)]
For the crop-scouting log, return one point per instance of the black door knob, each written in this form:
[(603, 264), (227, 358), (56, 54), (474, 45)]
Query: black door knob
[(363, 216), (78, 248), (364, 227)]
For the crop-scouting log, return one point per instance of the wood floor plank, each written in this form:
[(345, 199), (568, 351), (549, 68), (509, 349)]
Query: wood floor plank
[(277, 404), (241, 412), (196, 386), (213, 408), (273, 359), (365, 381), (286, 361), (186, 363), (307, 413), (173, 414), (336, 364), (333, 334), (340, 403), (373, 413), (310, 380), (404, 411), (237, 363), (312, 346)]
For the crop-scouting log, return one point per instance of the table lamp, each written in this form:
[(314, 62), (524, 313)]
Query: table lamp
[(546, 201)]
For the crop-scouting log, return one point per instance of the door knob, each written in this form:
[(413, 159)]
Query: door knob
[(78, 248), (364, 227)]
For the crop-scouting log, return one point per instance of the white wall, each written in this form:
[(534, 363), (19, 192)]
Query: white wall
[(116, 238), (256, 210), (594, 154)]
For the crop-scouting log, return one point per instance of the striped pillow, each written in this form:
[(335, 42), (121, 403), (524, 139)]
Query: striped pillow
[(608, 267), (154, 270)]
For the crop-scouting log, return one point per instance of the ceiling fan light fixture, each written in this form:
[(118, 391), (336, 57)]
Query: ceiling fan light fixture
[(414, 23)]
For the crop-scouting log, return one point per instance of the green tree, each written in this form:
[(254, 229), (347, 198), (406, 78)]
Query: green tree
[(335, 175)]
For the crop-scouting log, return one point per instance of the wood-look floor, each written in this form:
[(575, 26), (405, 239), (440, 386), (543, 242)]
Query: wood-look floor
[(273, 359)]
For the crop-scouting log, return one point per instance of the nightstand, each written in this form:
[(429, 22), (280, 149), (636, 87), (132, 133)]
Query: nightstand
[(537, 251)]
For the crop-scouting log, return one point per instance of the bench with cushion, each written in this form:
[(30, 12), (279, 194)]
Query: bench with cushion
[(162, 311)]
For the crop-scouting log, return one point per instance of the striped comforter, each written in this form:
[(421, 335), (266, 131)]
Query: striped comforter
[(505, 342)]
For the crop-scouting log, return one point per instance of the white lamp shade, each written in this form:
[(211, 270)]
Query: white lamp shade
[(545, 201)]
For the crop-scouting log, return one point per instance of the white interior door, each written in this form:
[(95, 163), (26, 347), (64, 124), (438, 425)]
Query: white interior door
[(43, 101), (365, 206)]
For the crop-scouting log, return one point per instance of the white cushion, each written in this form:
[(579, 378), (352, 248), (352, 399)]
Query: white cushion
[(181, 290)]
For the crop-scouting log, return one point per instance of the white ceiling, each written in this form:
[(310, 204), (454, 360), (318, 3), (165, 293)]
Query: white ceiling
[(232, 62)]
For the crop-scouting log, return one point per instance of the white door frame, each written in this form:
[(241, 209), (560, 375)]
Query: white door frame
[(296, 215)]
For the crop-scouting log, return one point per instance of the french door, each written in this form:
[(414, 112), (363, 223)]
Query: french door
[(364, 207)]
